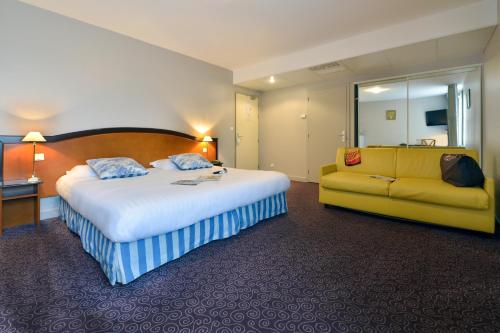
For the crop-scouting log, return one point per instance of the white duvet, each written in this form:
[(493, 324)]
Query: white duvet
[(129, 209)]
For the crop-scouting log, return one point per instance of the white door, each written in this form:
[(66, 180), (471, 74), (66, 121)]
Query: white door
[(326, 122), (247, 132)]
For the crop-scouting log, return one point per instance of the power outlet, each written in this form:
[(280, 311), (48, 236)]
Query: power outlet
[(39, 157)]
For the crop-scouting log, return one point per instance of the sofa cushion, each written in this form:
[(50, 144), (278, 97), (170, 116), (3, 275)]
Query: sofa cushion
[(438, 192), (374, 161), (355, 182), (424, 162)]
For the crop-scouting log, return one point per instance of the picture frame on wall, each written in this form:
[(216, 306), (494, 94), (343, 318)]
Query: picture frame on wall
[(390, 115)]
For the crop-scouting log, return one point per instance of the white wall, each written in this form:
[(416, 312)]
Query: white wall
[(283, 133), (374, 127), (60, 75), (472, 115), (491, 113), (418, 128)]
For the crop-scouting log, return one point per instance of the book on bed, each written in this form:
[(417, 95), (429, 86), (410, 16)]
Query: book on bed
[(209, 178), (200, 179), (187, 182)]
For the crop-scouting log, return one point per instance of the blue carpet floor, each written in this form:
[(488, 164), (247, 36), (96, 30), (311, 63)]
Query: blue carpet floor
[(312, 270)]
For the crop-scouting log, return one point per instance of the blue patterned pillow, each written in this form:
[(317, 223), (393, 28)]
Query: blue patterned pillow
[(116, 167), (190, 161)]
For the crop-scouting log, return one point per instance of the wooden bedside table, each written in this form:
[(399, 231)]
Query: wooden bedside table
[(19, 203)]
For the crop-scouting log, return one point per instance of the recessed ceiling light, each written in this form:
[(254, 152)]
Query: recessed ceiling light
[(272, 80), (376, 90)]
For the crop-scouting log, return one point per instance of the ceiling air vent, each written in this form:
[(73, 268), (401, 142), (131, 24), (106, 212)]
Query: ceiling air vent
[(328, 68)]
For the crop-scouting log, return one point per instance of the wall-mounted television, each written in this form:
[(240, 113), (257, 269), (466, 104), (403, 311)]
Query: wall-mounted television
[(436, 118)]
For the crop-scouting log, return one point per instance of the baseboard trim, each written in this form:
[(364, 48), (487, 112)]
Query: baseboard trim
[(49, 208), (49, 213)]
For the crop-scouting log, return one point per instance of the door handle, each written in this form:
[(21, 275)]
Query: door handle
[(238, 138)]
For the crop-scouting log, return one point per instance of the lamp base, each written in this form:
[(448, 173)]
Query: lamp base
[(33, 179)]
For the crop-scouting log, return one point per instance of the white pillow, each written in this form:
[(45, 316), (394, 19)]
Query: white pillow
[(165, 164), (81, 171)]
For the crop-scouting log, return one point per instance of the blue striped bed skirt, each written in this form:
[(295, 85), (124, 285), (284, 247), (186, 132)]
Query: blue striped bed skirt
[(124, 262)]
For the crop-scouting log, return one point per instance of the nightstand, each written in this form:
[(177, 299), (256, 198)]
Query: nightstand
[(19, 203)]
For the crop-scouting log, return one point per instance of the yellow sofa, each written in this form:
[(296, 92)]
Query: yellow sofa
[(418, 193)]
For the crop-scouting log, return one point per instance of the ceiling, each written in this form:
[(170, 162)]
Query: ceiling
[(238, 33), (418, 88), (451, 51)]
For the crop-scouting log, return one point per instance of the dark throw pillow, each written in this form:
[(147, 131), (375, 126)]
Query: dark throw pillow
[(461, 170)]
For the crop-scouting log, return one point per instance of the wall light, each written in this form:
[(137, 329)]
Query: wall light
[(205, 141), (272, 79)]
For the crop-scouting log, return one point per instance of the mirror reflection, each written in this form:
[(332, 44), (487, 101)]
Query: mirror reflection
[(438, 110), (382, 115)]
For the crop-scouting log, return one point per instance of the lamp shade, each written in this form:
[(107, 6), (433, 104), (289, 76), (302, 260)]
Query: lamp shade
[(207, 139), (34, 137)]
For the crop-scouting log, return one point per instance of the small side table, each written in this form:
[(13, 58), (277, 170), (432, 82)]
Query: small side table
[(19, 203)]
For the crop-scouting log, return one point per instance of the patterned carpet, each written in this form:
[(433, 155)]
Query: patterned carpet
[(313, 270)]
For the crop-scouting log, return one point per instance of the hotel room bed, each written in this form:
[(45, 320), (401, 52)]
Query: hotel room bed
[(133, 225)]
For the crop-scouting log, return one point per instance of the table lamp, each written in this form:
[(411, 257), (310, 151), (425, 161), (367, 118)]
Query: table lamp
[(206, 140), (34, 137)]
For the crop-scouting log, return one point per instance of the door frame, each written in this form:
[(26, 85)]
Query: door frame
[(236, 129)]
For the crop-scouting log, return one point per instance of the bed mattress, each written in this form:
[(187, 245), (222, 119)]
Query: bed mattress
[(130, 209)]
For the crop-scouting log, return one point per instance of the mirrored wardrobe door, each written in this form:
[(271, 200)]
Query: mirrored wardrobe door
[(382, 113), (445, 109)]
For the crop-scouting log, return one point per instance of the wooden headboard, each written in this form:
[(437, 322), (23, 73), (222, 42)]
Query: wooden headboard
[(64, 151)]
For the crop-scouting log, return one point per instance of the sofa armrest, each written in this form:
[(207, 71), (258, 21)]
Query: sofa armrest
[(329, 168), (489, 187)]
